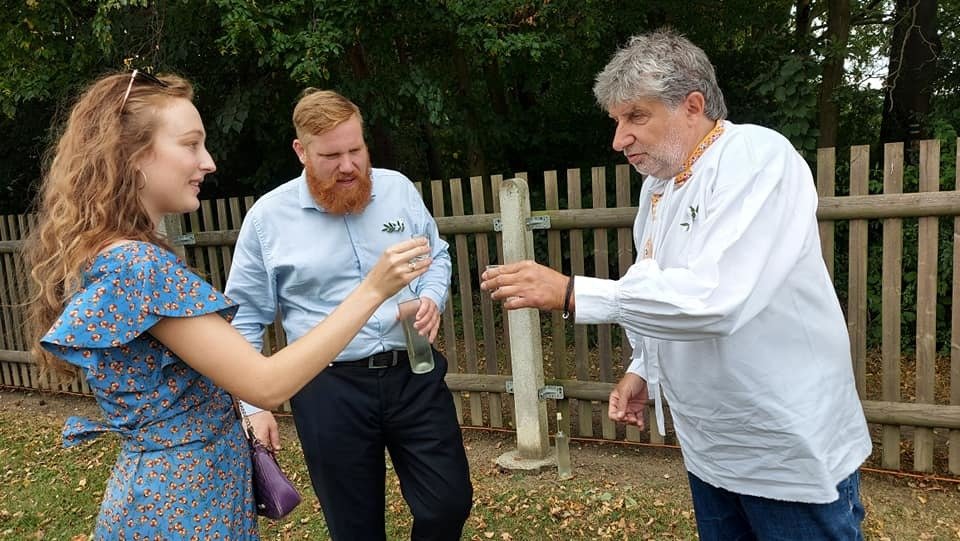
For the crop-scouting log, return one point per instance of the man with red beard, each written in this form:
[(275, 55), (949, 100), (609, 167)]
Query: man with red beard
[(302, 248)]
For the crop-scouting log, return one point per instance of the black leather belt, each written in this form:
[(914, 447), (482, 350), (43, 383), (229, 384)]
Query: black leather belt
[(387, 359)]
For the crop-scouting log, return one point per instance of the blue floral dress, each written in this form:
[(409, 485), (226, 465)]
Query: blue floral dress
[(184, 468)]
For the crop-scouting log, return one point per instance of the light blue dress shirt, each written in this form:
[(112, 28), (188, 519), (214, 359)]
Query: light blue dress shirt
[(294, 256)]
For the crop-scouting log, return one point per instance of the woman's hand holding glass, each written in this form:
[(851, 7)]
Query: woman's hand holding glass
[(399, 265)]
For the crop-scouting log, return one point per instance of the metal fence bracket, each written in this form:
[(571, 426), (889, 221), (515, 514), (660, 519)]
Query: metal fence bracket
[(533, 222), (547, 392), (538, 222), (551, 392), (184, 240)]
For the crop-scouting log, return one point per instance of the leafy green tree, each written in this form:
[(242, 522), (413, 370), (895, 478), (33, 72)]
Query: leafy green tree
[(448, 87)]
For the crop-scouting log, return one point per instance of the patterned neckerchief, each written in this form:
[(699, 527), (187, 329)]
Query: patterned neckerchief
[(687, 171)]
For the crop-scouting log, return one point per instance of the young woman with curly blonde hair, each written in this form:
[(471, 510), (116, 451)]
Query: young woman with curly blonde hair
[(110, 302)]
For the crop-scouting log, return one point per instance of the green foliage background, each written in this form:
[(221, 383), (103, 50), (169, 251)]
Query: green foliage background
[(451, 88), (448, 87)]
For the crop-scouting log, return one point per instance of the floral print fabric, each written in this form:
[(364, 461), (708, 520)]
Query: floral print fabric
[(184, 468)]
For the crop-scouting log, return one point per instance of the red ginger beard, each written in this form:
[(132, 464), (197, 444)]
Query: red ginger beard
[(337, 199)]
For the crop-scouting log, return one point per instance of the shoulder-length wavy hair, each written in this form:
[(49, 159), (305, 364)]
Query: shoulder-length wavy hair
[(89, 193)]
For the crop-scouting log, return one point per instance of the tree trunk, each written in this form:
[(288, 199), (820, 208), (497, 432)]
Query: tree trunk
[(495, 88), (914, 49), (434, 163), (802, 34), (838, 33), (476, 160), (383, 154), (499, 104)]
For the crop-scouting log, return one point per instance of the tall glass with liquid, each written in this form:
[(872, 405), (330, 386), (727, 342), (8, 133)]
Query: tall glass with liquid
[(418, 347)]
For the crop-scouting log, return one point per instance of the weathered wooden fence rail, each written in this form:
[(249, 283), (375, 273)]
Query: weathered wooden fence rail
[(590, 221)]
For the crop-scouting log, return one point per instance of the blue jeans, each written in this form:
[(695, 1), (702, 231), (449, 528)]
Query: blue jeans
[(727, 516)]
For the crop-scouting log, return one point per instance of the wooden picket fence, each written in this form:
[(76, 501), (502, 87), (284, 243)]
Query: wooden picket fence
[(590, 232)]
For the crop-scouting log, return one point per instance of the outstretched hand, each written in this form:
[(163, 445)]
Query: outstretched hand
[(526, 284), (628, 400), (397, 267)]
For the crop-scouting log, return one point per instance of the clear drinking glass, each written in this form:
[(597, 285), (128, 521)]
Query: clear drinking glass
[(420, 236), (564, 470), (408, 302), (418, 347), (489, 267)]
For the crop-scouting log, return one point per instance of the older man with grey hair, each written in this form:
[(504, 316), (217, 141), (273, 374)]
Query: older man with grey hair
[(729, 307)]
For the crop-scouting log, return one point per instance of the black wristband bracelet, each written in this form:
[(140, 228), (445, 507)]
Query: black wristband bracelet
[(566, 299)]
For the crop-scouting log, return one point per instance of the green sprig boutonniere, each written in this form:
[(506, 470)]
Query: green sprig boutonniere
[(394, 227), (693, 217)]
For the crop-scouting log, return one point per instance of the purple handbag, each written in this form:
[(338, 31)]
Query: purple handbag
[(274, 494)]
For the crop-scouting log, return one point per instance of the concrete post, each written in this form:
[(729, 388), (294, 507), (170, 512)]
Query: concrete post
[(525, 341)]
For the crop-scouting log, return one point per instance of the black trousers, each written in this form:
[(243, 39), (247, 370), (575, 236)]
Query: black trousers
[(345, 418)]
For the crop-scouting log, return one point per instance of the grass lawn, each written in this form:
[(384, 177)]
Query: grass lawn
[(618, 492)]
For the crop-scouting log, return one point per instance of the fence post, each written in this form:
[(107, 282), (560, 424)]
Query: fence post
[(526, 350), (171, 228)]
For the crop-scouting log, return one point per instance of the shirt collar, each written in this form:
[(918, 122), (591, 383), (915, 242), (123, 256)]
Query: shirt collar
[(687, 171)]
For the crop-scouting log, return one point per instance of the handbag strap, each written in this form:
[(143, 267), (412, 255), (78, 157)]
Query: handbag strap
[(246, 422)]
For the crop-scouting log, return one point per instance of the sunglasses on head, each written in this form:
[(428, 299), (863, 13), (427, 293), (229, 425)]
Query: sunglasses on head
[(133, 77)]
